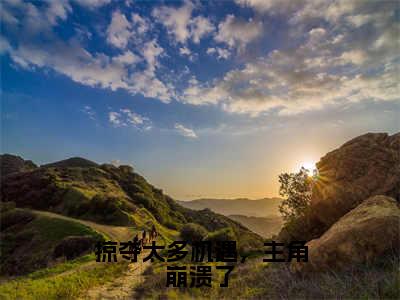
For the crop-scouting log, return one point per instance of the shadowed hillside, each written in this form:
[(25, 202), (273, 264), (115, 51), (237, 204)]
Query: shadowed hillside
[(13, 164)]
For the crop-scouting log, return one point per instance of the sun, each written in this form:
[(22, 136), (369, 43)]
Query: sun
[(309, 165)]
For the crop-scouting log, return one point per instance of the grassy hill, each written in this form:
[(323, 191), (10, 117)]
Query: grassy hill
[(53, 214), (30, 241), (71, 162), (110, 195)]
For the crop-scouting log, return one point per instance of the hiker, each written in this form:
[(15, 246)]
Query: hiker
[(136, 244), (144, 240), (136, 240), (153, 233)]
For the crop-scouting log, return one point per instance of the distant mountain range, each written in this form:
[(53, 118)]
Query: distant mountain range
[(265, 207), (260, 216), (264, 226)]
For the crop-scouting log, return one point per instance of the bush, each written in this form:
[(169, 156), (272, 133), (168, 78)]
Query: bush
[(193, 232), (74, 246), (224, 234)]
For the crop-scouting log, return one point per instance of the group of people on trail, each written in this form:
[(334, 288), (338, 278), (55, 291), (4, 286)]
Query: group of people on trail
[(145, 238)]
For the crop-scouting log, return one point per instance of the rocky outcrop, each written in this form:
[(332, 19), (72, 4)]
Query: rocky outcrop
[(363, 167), (361, 236)]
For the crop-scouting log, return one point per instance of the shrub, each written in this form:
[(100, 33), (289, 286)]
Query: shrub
[(74, 246), (193, 232), (224, 234)]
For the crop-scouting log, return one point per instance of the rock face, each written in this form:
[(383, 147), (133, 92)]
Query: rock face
[(361, 236), (363, 167)]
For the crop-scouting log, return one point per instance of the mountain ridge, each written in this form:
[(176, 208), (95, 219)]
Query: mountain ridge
[(265, 207)]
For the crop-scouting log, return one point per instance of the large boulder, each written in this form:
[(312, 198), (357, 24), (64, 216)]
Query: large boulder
[(363, 167), (363, 235)]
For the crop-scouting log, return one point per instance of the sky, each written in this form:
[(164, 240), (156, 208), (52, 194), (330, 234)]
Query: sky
[(204, 99)]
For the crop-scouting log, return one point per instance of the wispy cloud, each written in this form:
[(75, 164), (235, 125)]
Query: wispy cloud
[(180, 24), (186, 132), (236, 32), (88, 110), (126, 117)]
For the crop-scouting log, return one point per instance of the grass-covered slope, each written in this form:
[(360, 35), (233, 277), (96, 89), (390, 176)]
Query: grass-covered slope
[(29, 241), (109, 195)]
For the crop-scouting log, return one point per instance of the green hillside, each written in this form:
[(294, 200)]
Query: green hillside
[(110, 195), (30, 241)]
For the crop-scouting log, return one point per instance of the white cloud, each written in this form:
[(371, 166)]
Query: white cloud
[(310, 77), (176, 20), (115, 119), (180, 24), (134, 118), (346, 52), (148, 85), (118, 32), (184, 51), (220, 52), (272, 6), (126, 117), (141, 25), (150, 51), (88, 110), (356, 57), (71, 59), (127, 58), (200, 26), (184, 131), (238, 32), (317, 73), (58, 10)]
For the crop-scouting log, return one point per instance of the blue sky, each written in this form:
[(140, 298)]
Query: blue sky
[(205, 99)]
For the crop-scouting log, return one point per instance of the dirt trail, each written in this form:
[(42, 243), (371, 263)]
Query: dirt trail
[(123, 286), (115, 233)]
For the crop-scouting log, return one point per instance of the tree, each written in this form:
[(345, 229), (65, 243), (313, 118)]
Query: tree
[(224, 234), (193, 232), (296, 189)]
